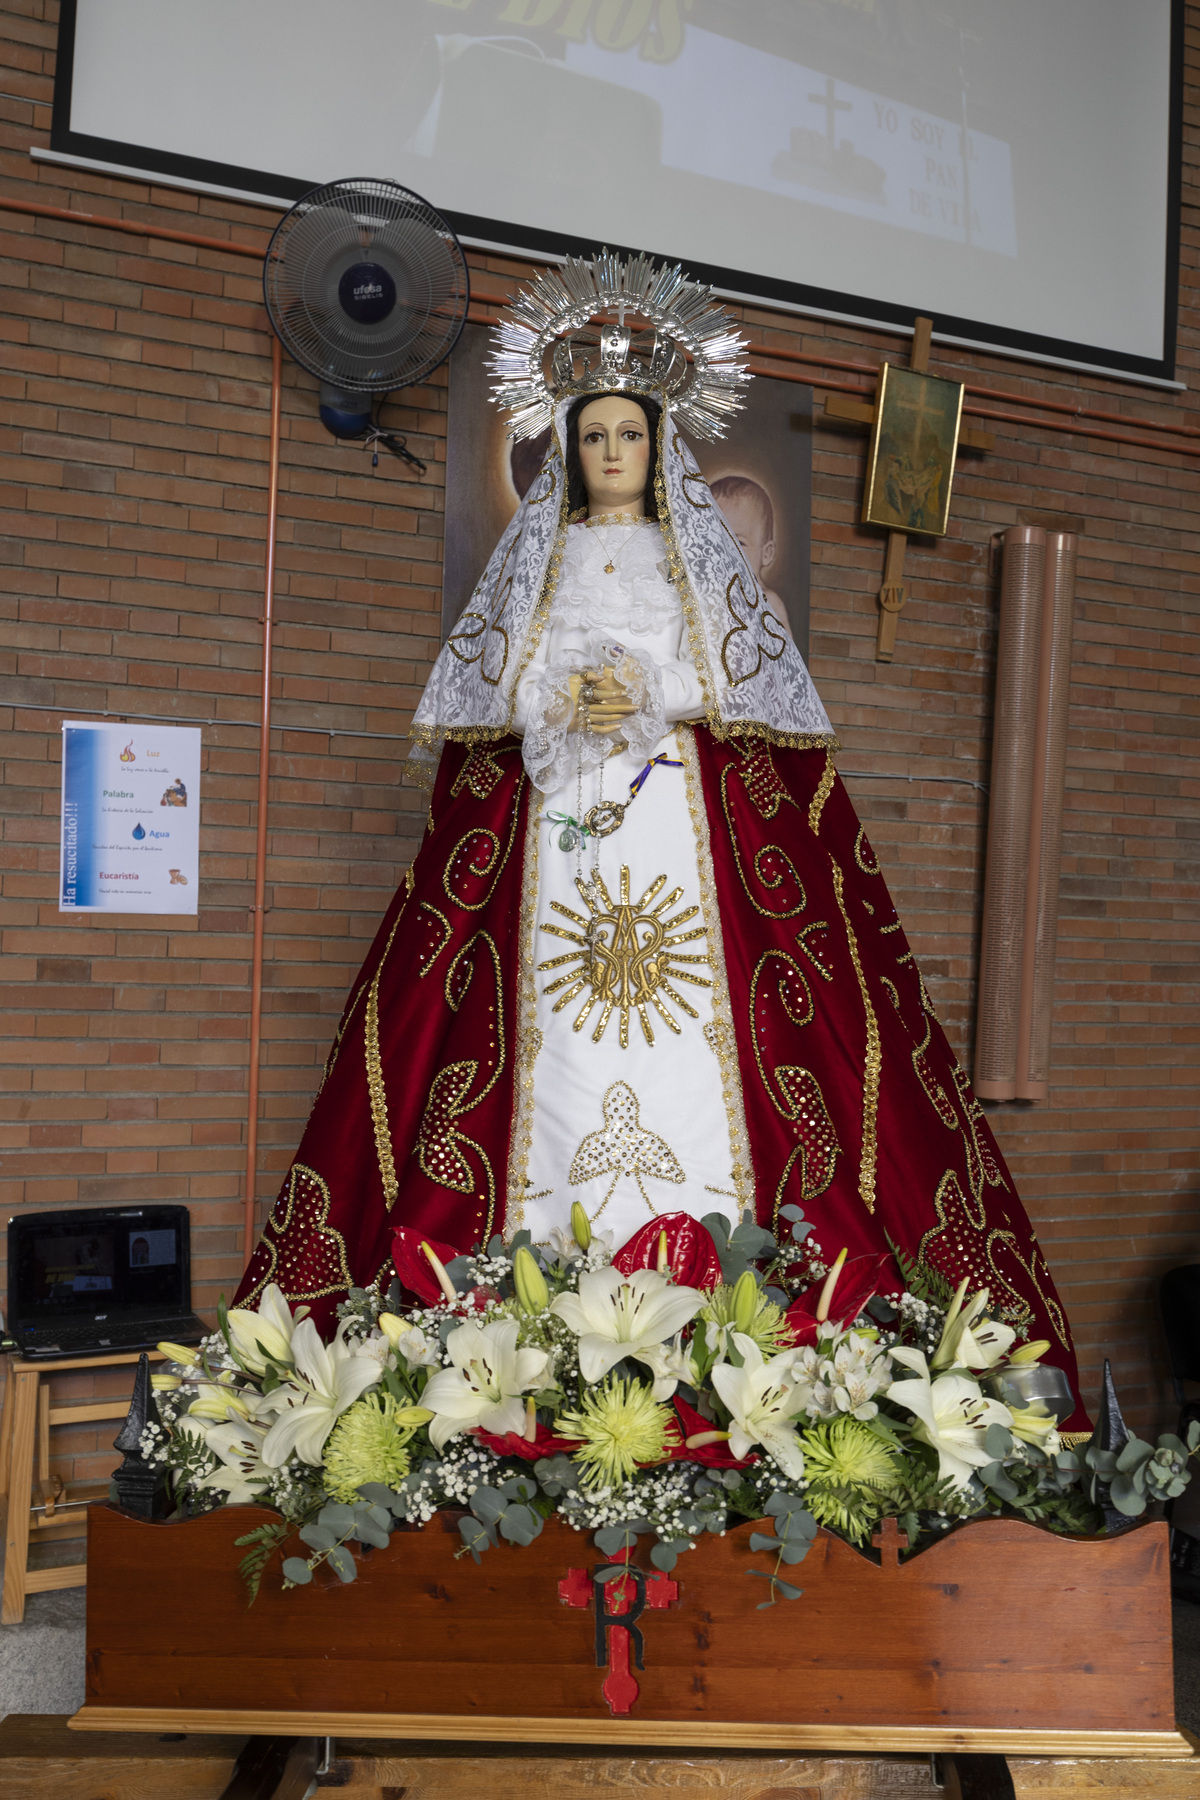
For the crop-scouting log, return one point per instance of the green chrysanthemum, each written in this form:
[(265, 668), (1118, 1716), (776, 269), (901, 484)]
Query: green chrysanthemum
[(766, 1325), (851, 1476), (366, 1444), (621, 1426)]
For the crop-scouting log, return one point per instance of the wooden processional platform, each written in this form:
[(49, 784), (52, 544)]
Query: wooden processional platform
[(40, 1759)]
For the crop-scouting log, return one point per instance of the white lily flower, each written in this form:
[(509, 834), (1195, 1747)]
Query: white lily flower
[(410, 1342), (242, 1472), (763, 1399), (983, 1345), (265, 1335), (969, 1340), (487, 1384), (615, 1316), (308, 1404), (219, 1399), (952, 1415), (566, 1245), (842, 1380), (670, 1364)]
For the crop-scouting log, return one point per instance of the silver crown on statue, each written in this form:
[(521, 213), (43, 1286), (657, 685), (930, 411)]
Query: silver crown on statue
[(684, 347)]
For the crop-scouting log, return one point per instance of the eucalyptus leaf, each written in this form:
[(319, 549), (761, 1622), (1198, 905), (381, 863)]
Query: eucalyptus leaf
[(997, 1441), (367, 1532), (336, 1517), (760, 1541), (342, 1563), (787, 1590), (474, 1536), (794, 1553), (664, 1557), (1125, 1497), (317, 1537), (488, 1504), (297, 1571), (520, 1525)]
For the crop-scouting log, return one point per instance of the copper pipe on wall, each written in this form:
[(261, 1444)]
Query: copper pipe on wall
[(981, 393), (133, 226), (1045, 819), (1020, 907), (260, 845), (72, 216)]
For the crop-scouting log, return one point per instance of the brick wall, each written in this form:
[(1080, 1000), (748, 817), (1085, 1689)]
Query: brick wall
[(133, 466)]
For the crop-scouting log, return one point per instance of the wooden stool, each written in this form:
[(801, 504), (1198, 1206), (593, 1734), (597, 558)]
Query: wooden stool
[(28, 1417)]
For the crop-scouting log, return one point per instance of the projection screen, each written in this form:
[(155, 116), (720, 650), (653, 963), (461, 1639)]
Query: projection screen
[(1009, 167)]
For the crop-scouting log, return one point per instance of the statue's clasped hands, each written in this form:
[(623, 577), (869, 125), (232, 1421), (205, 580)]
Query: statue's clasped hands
[(600, 701)]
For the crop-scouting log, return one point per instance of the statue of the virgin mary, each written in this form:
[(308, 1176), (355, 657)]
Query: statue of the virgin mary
[(645, 958)]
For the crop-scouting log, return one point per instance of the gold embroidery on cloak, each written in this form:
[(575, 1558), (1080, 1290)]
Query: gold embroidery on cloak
[(301, 1208), (872, 1062)]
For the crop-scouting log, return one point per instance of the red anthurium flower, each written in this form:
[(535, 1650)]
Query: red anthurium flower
[(691, 1254), (513, 1443), (858, 1282), (414, 1268), (713, 1456)]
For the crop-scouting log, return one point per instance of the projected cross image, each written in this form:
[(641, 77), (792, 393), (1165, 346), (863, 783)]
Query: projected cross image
[(809, 136)]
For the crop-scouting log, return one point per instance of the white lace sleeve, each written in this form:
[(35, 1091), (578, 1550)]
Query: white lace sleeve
[(552, 752), (641, 678)]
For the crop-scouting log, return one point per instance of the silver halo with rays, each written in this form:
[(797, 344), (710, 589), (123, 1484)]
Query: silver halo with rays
[(682, 321)]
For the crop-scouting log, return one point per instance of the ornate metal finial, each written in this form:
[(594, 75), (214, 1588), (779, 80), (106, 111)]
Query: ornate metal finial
[(688, 349), (1111, 1434), (137, 1481)]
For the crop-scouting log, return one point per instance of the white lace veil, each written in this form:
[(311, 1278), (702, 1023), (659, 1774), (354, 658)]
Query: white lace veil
[(753, 677)]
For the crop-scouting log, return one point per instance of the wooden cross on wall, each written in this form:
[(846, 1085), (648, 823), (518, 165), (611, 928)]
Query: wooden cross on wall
[(893, 592)]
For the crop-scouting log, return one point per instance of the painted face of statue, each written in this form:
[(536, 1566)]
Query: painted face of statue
[(614, 454)]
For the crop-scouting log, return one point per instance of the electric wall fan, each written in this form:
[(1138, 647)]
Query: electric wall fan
[(366, 287)]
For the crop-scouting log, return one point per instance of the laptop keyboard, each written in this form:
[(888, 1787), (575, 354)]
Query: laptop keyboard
[(91, 1339)]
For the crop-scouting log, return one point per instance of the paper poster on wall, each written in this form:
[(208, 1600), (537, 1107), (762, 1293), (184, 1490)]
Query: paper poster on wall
[(130, 818)]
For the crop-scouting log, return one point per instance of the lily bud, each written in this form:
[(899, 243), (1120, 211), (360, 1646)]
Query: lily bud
[(530, 1283), (412, 1415), (439, 1269), (183, 1354), (745, 1301), (664, 1261), (530, 1421), (392, 1326), (581, 1231), (831, 1281), (165, 1384), (1030, 1353)]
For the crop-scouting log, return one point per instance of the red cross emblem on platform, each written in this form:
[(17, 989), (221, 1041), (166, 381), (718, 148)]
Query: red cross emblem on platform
[(618, 1596)]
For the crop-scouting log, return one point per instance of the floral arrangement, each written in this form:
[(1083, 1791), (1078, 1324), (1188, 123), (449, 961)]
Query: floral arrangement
[(695, 1378)]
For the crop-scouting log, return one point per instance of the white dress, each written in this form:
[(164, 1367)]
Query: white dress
[(639, 1122)]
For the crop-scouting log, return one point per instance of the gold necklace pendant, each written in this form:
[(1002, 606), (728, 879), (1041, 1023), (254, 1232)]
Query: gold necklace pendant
[(627, 956), (608, 569)]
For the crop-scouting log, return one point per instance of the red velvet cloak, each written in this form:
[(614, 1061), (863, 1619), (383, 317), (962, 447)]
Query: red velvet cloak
[(856, 1107)]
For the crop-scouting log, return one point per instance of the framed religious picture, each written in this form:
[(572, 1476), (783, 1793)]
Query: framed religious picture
[(760, 474), (913, 445)]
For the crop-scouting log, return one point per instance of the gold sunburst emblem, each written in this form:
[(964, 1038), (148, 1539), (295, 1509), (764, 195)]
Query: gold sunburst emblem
[(627, 955)]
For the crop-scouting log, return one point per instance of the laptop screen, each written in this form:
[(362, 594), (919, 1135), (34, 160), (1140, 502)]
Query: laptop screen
[(97, 1262)]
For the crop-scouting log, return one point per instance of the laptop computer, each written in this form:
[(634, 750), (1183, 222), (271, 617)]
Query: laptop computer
[(91, 1280)]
